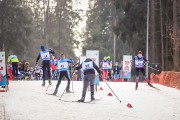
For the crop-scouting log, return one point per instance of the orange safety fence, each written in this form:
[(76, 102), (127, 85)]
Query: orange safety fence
[(167, 78)]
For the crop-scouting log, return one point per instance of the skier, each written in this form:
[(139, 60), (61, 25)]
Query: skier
[(139, 64), (45, 55), (89, 76), (63, 71), (13, 59)]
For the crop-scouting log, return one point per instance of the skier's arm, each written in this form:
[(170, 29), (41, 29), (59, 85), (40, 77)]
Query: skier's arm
[(96, 67), (38, 58), (70, 61), (78, 67), (51, 51)]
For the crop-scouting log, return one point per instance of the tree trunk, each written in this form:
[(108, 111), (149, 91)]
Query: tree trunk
[(152, 32), (2, 26), (176, 34), (162, 40)]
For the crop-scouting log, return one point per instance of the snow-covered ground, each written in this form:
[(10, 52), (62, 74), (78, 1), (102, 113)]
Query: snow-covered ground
[(27, 100)]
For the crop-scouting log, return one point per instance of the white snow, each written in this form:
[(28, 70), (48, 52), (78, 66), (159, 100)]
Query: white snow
[(27, 100)]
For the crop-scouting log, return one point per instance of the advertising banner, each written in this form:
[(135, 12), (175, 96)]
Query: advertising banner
[(2, 69), (126, 69)]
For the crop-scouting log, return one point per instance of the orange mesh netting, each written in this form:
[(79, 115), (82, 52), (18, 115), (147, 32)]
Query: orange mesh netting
[(167, 78)]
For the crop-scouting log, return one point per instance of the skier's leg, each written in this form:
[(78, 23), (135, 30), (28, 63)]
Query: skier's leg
[(92, 78), (145, 77), (85, 85), (58, 83), (49, 72), (44, 72), (137, 77), (67, 75)]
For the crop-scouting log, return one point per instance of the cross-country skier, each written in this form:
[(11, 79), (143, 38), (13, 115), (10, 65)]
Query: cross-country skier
[(139, 64), (89, 76), (63, 71), (45, 55)]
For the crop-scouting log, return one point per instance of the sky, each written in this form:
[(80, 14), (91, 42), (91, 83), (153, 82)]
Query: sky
[(82, 5)]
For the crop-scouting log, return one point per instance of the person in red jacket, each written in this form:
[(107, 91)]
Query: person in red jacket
[(54, 67)]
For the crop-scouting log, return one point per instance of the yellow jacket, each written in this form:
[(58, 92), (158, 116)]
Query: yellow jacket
[(12, 58)]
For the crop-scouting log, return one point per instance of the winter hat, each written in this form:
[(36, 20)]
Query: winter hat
[(139, 52), (42, 48)]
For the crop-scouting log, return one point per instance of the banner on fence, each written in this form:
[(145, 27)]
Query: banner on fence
[(126, 70), (2, 69)]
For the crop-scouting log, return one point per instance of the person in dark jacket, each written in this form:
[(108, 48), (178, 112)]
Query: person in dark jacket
[(45, 55), (88, 67), (116, 70), (139, 64)]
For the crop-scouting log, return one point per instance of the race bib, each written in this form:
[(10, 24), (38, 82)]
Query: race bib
[(139, 62), (62, 65), (45, 55)]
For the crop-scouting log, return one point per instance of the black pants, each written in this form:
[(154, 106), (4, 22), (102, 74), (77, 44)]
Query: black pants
[(46, 67), (61, 75), (142, 71), (15, 68), (109, 73), (144, 74)]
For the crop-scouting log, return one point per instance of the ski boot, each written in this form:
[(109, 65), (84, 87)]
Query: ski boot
[(81, 100), (136, 87), (92, 97), (68, 91), (50, 83), (43, 84), (55, 92)]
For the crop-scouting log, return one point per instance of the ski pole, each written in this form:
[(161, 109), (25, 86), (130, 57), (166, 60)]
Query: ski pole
[(153, 68), (52, 77), (62, 93), (112, 91)]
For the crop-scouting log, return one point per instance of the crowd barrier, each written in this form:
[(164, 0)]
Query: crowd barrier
[(167, 78)]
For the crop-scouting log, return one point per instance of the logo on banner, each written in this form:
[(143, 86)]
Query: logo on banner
[(1, 77)]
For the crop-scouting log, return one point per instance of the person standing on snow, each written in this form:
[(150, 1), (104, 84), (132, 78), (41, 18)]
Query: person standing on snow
[(45, 55), (139, 64), (13, 59), (116, 71), (63, 71), (54, 67), (88, 67), (105, 67), (109, 67)]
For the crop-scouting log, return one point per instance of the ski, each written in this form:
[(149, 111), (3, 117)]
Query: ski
[(68, 92), (90, 102), (154, 87)]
